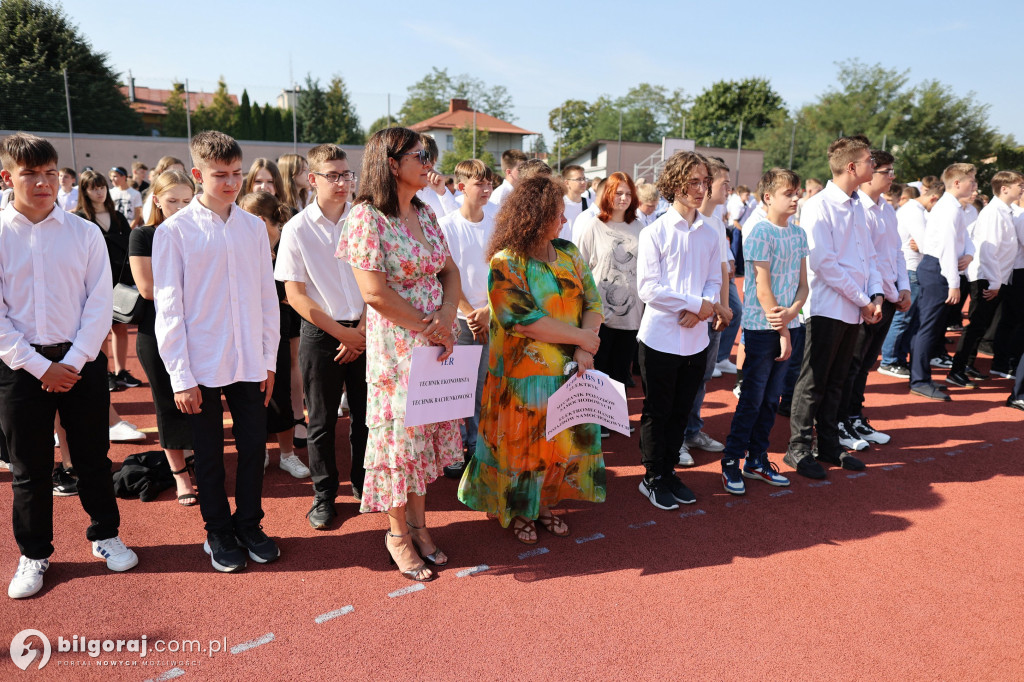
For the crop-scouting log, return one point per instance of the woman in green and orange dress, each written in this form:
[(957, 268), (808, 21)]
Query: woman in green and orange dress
[(545, 313)]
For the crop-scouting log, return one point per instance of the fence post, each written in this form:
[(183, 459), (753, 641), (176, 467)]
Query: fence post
[(71, 130)]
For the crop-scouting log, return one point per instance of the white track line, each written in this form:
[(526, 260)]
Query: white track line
[(324, 617), (245, 646)]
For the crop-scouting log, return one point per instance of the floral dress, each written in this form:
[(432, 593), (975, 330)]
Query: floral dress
[(399, 461), (515, 470)]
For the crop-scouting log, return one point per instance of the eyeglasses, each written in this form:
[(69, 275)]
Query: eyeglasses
[(335, 178), (698, 184), (891, 172), (423, 156), (867, 160)]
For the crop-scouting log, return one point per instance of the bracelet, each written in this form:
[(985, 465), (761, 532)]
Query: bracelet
[(449, 303)]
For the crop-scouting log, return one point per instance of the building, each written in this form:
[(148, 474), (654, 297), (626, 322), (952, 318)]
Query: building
[(151, 103), (645, 159), (501, 135)]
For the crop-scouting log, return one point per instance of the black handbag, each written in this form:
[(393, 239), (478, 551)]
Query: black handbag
[(128, 307)]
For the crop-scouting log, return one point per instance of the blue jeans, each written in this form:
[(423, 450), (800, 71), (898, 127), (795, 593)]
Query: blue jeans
[(694, 423), (730, 332), (904, 325), (763, 377), (470, 425)]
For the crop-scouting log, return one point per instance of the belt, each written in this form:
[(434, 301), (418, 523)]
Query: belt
[(54, 351), (347, 323)]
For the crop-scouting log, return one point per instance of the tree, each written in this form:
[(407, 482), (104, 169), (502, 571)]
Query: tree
[(381, 123), (37, 41), (430, 96), (175, 123), (539, 146), (219, 115), (462, 149), (573, 124), (715, 117), (341, 117), (312, 113), (677, 111), (259, 123), (243, 119)]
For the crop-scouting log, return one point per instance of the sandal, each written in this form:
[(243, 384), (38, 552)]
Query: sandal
[(435, 558), (404, 555), (188, 499), (553, 524), (524, 530)]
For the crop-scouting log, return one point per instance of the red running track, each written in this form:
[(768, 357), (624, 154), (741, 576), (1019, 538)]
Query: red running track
[(911, 570)]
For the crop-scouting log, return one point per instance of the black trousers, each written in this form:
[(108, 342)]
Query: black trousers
[(27, 413), (323, 380), (171, 423), (932, 318), (818, 396), (1009, 339), (245, 401), (280, 417), (980, 314), (615, 354), (670, 384), (870, 338)]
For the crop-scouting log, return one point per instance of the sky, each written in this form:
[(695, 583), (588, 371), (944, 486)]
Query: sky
[(547, 52)]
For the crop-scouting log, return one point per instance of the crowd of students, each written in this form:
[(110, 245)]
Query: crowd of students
[(285, 292)]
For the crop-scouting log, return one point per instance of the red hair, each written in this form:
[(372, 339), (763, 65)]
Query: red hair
[(611, 186)]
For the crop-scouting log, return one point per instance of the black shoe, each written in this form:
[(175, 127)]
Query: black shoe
[(1003, 372), (930, 391), (261, 549), (959, 379), (1015, 403), (678, 490), (454, 471), (955, 328), (973, 373), (357, 492), (127, 380), (321, 513), (657, 492), (605, 433), (112, 384), (784, 409), (225, 554), (64, 484), (895, 370), (805, 465), (844, 461)]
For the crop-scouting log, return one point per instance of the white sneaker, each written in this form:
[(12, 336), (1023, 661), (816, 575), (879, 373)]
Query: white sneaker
[(851, 441), (726, 367), (703, 441), (119, 557), (715, 373), (293, 465), (56, 441), (266, 459), (28, 579), (123, 432), (736, 390), (862, 428), (5, 466), (685, 460)]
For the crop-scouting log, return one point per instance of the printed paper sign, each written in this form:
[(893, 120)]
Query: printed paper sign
[(441, 391), (594, 398)]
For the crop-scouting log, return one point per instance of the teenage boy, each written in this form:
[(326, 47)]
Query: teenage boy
[(55, 302), (679, 279), (217, 328), (844, 289), (468, 230), (511, 159), (911, 219), (773, 294), (995, 243), (855, 431), (436, 194), (67, 195), (646, 212), (575, 185), (140, 176), (947, 250), (332, 341), (127, 201)]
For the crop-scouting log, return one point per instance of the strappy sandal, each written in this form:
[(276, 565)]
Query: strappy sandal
[(435, 558), (188, 499), (522, 529), (410, 573), (553, 524)]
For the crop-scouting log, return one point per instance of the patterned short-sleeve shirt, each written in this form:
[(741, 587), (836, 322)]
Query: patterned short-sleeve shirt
[(783, 248)]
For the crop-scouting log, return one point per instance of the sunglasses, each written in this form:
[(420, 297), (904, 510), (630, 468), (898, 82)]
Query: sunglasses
[(422, 156)]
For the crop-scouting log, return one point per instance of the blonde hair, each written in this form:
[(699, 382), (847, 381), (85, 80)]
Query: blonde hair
[(161, 184), (957, 171), (647, 193), (845, 150), (291, 165)]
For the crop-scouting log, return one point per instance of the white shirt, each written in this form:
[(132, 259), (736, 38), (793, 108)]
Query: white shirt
[(679, 267), (841, 266), (995, 241), (442, 204), (498, 195), (753, 218), (645, 219), (467, 242), (736, 209), (55, 287), (911, 219), (306, 254), (147, 208), (946, 237), (126, 201), (723, 243), (971, 216), (1018, 226), (885, 237), (217, 316), (65, 199), (571, 211)]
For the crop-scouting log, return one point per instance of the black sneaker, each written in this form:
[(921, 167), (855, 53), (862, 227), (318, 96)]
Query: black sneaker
[(225, 554), (124, 378), (64, 484), (321, 513), (955, 328), (896, 370), (805, 465), (930, 391), (678, 490), (454, 471), (844, 461), (942, 361), (1004, 372), (261, 549), (974, 373), (658, 493), (112, 384), (785, 407), (960, 379)]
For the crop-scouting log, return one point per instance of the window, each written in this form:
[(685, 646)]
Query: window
[(593, 156), (449, 142)]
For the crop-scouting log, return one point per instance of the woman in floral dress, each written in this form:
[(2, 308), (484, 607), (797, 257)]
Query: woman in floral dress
[(411, 286), (545, 313)]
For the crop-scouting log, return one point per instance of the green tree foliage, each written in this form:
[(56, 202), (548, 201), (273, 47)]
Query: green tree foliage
[(573, 123), (312, 113), (37, 41), (716, 113), (430, 96), (462, 149), (243, 119), (259, 123), (381, 123), (342, 120), (175, 124)]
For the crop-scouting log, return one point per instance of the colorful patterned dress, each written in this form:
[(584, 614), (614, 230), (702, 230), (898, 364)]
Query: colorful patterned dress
[(515, 470), (399, 461)]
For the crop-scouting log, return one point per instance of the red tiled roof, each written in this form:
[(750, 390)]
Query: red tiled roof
[(154, 101), (459, 115)]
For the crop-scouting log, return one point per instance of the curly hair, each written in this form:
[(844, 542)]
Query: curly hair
[(677, 172), (526, 216)]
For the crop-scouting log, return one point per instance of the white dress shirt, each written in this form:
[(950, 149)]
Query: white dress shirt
[(995, 241), (217, 316), (55, 287), (306, 254), (498, 195), (467, 242), (1018, 227), (443, 204), (885, 237), (723, 243), (736, 209), (753, 218), (679, 267), (911, 219), (946, 238), (841, 268), (65, 199)]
